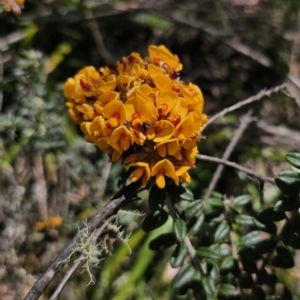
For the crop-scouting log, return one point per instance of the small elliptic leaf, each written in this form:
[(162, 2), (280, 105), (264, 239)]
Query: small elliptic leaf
[(180, 192), (242, 200), (206, 252), (289, 182), (293, 158), (289, 237), (222, 232), (286, 204), (163, 241), (184, 276), (208, 286), (244, 220), (217, 202), (157, 198), (195, 229), (251, 238), (283, 259), (271, 215), (249, 252), (179, 255), (194, 209), (154, 220), (227, 264), (227, 290), (225, 250), (265, 246), (179, 227), (266, 226)]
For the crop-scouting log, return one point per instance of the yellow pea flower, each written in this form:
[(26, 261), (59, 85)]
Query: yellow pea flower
[(142, 171), (161, 131), (161, 169), (114, 111), (121, 139), (162, 54)]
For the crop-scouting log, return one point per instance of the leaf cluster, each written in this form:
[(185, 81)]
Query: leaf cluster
[(223, 247)]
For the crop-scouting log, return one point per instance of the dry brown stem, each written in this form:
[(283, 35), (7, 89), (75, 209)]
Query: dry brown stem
[(235, 166), (257, 97)]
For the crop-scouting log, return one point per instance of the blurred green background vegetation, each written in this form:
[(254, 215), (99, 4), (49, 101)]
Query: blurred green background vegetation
[(231, 48)]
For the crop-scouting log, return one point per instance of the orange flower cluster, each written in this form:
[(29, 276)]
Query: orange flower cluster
[(142, 112), (49, 222), (12, 5)]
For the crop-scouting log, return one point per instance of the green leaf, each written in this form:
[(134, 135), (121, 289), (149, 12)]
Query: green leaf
[(216, 202), (179, 227), (271, 215), (222, 232), (251, 238), (288, 181), (206, 252), (195, 229), (163, 241), (289, 237), (154, 220), (283, 259), (194, 209), (208, 286), (266, 226), (249, 252), (184, 276), (293, 158), (224, 250), (265, 246), (242, 200), (157, 198), (227, 290), (227, 265), (244, 220), (286, 204), (179, 255), (180, 192)]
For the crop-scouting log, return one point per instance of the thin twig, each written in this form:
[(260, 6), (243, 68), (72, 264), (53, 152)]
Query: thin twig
[(78, 262), (235, 166), (195, 259), (284, 133), (215, 32), (108, 210), (91, 21), (257, 97), (245, 120)]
